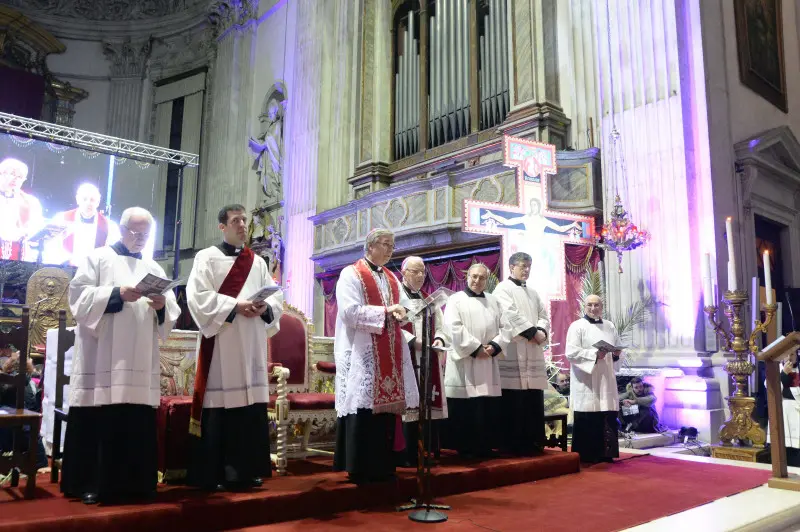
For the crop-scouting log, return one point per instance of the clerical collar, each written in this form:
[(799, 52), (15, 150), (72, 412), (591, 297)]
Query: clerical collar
[(89, 220), (372, 266), (410, 293), (592, 320), (470, 293), (517, 281), (228, 249), (120, 248)]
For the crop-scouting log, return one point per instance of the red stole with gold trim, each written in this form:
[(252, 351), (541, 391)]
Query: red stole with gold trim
[(230, 287), (387, 347)]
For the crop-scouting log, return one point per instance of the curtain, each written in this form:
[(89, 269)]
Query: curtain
[(21, 93), (563, 313), (190, 142), (449, 273)]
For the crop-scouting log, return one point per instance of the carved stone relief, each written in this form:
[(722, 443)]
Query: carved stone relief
[(396, 213), (225, 14), (128, 59), (488, 189), (109, 10), (267, 148), (440, 205)]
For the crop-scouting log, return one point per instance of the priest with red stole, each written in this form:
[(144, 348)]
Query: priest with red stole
[(375, 381), (413, 270), (20, 212), (229, 429)]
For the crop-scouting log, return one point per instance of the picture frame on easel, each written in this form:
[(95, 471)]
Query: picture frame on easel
[(759, 38)]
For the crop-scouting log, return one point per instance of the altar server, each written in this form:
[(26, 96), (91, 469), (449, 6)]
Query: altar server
[(413, 270), (480, 333), (229, 426), (375, 380), (110, 444), (593, 384), (522, 372)]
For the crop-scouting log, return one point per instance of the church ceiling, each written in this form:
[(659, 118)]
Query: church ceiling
[(106, 10)]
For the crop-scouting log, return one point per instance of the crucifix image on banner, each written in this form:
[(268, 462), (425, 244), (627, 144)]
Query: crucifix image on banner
[(529, 225)]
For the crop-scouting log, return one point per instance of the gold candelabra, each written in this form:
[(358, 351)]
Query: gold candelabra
[(740, 428)]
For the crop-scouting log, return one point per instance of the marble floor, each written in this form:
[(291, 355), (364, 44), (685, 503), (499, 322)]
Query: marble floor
[(760, 509)]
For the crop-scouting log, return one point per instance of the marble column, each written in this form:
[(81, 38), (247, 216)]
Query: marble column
[(229, 123), (128, 68), (533, 46), (302, 151), (374, 135)]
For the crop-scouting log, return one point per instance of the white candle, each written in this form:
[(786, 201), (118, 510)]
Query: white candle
[(732, 285), (768, 279), (708, 296)]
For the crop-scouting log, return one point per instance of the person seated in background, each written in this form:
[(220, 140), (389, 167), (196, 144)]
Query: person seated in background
[(790, 377), (33, 402), (556, 401), (636, 407)]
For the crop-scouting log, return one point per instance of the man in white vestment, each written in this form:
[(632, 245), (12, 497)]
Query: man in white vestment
[(375, 381), (523, 376), (593, 385), (86, 229), (413, 270), (20, 212), (110, 445), (480, 333), (229, 426)]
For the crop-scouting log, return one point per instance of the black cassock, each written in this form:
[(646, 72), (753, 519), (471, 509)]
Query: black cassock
[(595, 436)]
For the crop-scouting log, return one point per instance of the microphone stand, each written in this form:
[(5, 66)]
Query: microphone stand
[(424, 510)]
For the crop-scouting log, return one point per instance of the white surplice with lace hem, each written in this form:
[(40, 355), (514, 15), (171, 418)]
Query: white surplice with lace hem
[(356, 322)]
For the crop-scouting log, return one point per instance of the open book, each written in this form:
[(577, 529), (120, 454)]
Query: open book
[(438, 298), (263, 293), (153, 285), (608, 348)]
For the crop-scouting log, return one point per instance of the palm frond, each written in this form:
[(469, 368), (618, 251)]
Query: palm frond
[(636, 314), (591, 285)]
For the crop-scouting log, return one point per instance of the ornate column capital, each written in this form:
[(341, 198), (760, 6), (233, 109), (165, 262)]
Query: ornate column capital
[(225, 14), (128, 59)]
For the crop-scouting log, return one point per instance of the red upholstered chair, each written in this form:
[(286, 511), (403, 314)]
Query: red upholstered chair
[(292, 348)]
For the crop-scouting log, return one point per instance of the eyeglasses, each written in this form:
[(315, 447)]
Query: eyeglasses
[(386, 245), (137, 234), (415, 272)]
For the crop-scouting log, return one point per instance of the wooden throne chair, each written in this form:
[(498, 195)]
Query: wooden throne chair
[(304, 407)]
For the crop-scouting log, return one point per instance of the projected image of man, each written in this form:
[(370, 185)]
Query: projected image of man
[(87, 229), (20, 213)]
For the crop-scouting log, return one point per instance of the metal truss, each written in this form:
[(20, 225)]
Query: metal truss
[(78, 138)]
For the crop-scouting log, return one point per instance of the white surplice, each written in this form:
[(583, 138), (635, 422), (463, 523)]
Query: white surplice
[(116, 358), (593, 383), (414, 305), (472, 322), (356, 322), (238, 373), (523, 366), (84, 237)]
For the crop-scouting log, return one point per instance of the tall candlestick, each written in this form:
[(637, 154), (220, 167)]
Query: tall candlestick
[(768, 279), (708, 296), (732, 285)]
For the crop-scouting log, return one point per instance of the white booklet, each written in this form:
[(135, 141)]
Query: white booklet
[(264, 292), (439, 297), (605, 346), (153, 285)]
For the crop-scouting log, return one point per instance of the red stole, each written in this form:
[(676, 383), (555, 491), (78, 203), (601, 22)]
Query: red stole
[(795, 379), (436, 369), (387, 347), (231, 287), (100, 236)]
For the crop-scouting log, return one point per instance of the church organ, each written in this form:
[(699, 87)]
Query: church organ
[(441, 93)]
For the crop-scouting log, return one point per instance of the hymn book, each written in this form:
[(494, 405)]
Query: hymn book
[(602, 345), (153, 285), (263, 293)]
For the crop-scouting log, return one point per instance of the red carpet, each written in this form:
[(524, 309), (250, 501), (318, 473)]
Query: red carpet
[(312, 489), (604, 497)]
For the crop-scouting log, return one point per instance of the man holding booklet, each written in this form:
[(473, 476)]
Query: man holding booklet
[(593, 352), (110, 446), (236, 306)]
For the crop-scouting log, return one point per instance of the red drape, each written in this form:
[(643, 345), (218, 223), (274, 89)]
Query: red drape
[(450, 273), (21, 92), (563, 313)]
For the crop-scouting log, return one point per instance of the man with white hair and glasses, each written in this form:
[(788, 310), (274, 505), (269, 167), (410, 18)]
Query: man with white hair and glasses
[(375, 381), (20, 213), (110, 451)]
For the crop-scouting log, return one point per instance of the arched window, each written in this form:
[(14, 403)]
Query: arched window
[(450, 67)]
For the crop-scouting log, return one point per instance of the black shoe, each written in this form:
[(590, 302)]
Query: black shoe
[(90, 498), (257, 482)]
